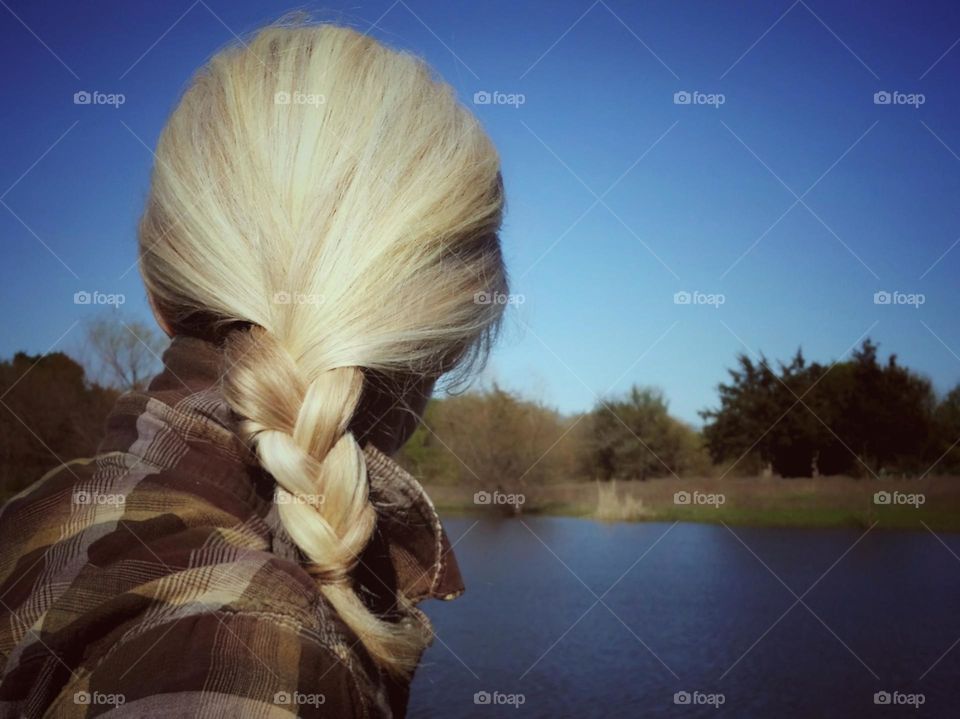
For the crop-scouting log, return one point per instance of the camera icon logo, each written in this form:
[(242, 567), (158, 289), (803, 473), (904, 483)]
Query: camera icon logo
[(82, 298), (882, 98), (681, 698), (682, 97), (482, 298), (482, 97), (682, 497), (281, 698), (281, 98), (482, 497), (882, 498), (481, 698), (882, 297), (82, 98), (682, 298), (281, 298), (881, 698)]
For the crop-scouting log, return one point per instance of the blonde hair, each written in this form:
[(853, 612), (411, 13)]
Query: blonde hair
[(329, 194)]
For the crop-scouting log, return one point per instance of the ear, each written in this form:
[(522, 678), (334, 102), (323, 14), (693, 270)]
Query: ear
[(161, 320)]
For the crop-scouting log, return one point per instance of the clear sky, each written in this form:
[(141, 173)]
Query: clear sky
[(782, 189)]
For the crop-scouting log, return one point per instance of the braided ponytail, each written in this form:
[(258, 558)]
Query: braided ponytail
[(299, 429), (334, 198)]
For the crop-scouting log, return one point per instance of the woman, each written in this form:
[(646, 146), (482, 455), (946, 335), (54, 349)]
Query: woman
[(322, 219)]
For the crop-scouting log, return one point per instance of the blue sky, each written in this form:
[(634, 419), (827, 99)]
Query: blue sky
[(794, 201)]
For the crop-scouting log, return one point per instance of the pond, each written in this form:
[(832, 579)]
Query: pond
[(574, 618)]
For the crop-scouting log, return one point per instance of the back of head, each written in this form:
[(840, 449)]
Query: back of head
[(328, 194)]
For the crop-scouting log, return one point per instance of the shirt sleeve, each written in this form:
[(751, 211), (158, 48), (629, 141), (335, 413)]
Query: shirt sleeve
[(218, 664)]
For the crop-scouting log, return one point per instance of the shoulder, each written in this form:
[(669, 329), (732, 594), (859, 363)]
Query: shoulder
[(129, 568), (116, 511), (101, 528), (221, 662)]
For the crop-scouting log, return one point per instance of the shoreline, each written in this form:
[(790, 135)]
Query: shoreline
[(830, 502)]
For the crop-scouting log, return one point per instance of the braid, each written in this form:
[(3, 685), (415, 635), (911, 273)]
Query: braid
[(299, 429)]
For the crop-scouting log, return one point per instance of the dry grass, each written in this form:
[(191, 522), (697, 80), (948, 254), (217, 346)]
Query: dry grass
[(822, 501), (614, 506)]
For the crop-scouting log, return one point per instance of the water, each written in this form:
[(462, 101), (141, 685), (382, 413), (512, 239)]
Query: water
[(690, 608)]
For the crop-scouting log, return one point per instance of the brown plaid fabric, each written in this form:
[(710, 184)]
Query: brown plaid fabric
[(157, 580)]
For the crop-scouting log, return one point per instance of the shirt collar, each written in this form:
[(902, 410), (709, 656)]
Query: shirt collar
[(410, 541)]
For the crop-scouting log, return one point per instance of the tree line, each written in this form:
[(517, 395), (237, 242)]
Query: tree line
[(860, 417), (53, 407)]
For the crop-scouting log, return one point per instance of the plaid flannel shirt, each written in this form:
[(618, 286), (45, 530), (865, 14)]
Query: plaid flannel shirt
[(156, 579)]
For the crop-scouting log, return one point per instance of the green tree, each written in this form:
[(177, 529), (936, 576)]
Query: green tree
[(49, 414), (854, 416), (634, 437), (946, 440)]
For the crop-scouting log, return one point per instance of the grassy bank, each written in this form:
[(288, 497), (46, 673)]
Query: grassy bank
[(820, 502)]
